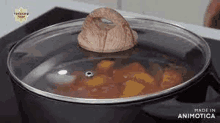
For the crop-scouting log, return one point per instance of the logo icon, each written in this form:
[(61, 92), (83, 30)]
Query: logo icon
[(21, 15)]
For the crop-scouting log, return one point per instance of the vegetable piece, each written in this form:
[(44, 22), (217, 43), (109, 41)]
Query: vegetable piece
[(98, 80), (105, 67), (132, 88), (170, 79), (144, 77)]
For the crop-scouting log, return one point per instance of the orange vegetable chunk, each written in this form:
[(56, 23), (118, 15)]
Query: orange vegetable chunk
[(105, 67), (105, 64), (171, 78), (132, 88), (145, 77), (98, 80)]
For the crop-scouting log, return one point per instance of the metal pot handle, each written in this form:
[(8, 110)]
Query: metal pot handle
[(215, 84), (173, 109)]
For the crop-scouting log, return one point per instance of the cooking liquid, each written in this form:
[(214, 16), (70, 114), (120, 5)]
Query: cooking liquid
[(68, 77), (117, 77), (70, 62)]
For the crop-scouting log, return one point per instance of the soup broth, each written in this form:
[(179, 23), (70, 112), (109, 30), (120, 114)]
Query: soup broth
[(140, 70), (112, 77)]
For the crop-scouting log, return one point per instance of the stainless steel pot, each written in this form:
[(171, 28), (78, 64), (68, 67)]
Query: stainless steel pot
[(55, 48)]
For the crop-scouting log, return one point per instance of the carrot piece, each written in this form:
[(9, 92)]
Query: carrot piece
[(145, 77), (105, 67), (132, 88), (171, 78), (98, 80), (105, 64)]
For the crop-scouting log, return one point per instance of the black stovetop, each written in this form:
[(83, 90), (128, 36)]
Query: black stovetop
[(9, 112)]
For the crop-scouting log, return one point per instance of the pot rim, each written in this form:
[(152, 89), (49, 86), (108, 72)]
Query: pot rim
[(113, 100)]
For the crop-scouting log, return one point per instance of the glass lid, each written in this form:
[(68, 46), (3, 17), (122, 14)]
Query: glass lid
[(50, 62)]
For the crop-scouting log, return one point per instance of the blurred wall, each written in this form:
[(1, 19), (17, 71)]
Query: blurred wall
[(108, 3), (188, 11)]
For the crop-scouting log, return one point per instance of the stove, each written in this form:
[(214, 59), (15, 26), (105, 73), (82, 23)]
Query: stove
[(8, 107)]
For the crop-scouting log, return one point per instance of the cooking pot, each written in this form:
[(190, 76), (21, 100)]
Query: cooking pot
[(55, 48)]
